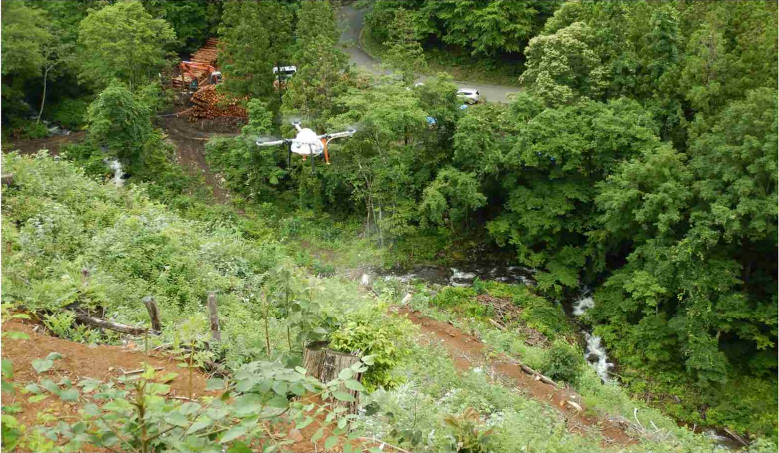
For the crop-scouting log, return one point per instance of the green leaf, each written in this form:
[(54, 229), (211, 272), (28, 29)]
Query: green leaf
[(169, 377), (300, 370), (91, 410), (69, 395), (33, 388), (345, 374), (343, 396), (197, 426), (239, 447), (308, 420), (298, 389), (54, 356), (232, 434), (215, 384), (330, 442), (280, 388), (354, 385), (36, 398), (278, 401), (318, 434), (8, 368), (41, 365), (177, 419), (16, 335), (368, 359), (49, 385)]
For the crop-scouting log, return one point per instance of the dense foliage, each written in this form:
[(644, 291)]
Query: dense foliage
[(638, 160)]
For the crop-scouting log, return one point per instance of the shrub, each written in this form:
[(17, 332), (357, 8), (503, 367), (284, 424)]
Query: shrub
[(371, 332), (70, 113), (564, 362)]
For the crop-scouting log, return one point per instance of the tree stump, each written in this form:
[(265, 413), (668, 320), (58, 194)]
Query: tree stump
[(8, 180), (325, 364)]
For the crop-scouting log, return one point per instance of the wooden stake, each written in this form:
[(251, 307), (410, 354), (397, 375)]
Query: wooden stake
[(215, 333), (154, 313)]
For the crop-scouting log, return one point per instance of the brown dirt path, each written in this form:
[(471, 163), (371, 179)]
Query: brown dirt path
[(53, 144), (190, 142), (467, 352)]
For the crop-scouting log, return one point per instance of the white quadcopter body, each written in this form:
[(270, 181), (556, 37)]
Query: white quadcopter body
[(307, 142)]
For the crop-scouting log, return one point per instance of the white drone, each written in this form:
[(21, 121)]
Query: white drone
[(307, 143)]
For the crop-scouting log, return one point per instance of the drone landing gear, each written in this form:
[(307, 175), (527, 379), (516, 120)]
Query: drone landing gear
[(324, 146)]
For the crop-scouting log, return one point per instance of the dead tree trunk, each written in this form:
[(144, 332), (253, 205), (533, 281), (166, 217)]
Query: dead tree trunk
[(325, 364), (154, 313), (103, 324), (215, 333)]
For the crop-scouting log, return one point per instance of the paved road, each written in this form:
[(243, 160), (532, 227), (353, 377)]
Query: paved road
[(352, 20)]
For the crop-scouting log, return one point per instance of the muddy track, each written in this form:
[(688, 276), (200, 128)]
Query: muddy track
[(468, 352), (53, 144), (190, 142)]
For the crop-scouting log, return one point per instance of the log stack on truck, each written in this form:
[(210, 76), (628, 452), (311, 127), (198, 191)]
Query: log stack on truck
[(201, 68), (201, 75)]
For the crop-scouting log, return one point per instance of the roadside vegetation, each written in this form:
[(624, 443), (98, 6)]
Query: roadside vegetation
[(638, 161)]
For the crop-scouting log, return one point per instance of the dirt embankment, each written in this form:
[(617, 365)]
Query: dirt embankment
[(468, 352), (102, 362)]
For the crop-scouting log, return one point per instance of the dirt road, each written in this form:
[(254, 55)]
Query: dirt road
[(351, 21)]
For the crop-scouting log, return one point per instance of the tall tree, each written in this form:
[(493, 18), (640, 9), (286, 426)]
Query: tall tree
[(194, 21), (486, 26), (119, 120), (255, 36), (56, 52), (122, 41), (404, 52), (320, 63), (23, 38)]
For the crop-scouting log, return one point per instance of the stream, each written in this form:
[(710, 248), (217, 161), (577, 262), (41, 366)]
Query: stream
[(465, 274)]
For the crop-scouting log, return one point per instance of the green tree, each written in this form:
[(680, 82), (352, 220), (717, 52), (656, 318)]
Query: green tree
[(253, 172), (193, 21), (311, 94), (564, 67), (549, 177), (24, 37), (248, 52), (485, 26), (404, 52), (122, 41), (451, 198), (55, 53), (118, 120)]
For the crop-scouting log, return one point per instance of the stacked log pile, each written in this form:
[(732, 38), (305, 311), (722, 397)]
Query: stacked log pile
[(206, 55), (207, 103)]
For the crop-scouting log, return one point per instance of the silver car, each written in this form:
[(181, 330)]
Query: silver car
[(468, 95)]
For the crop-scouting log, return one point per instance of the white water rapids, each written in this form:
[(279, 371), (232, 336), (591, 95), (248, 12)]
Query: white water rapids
[(596, 353), (116, 166)]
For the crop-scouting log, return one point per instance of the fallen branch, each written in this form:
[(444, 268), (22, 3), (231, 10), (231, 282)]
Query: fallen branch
[(496, 324), (102, 323), (140, 370), (737, 437), (382, 442)]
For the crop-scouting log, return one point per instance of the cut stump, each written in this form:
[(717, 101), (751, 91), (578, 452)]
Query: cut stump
[(325, 364)]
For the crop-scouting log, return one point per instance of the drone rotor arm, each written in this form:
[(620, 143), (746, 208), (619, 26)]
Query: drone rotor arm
[(271, 143)]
